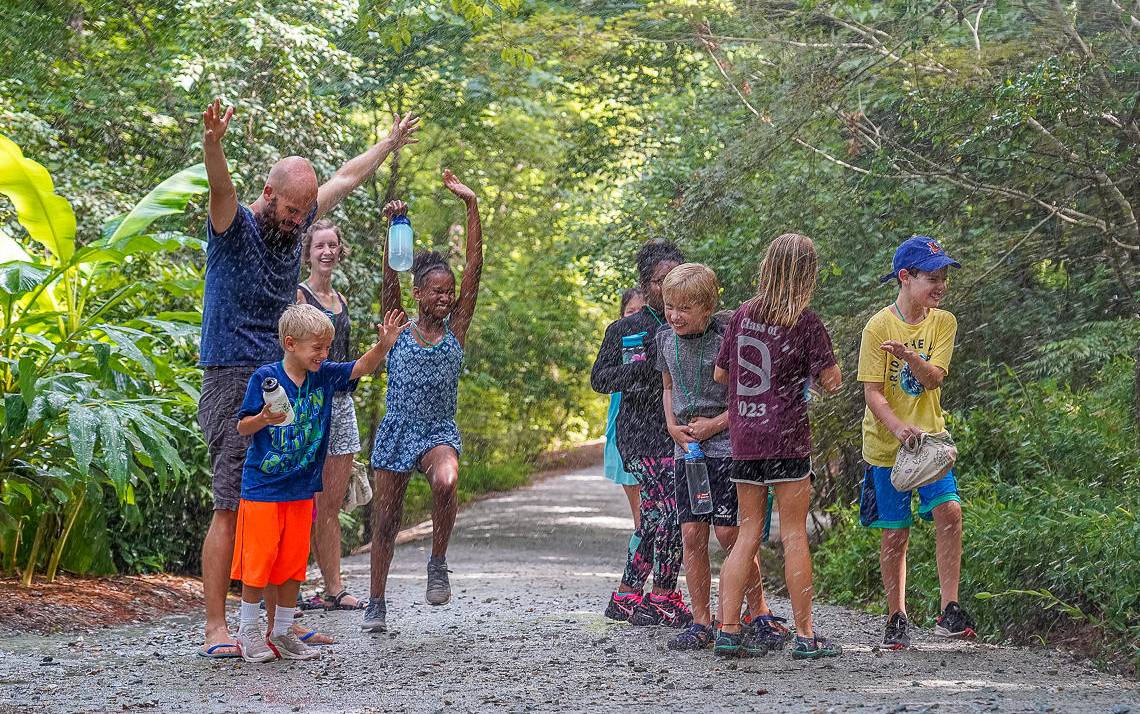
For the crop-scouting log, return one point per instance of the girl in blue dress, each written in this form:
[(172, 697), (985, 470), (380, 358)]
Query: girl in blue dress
[(418, 432)]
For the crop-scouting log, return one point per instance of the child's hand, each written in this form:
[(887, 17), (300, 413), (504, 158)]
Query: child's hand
[(895, 348), (394, 323), (906, 432), (395, 208), (681, 435), (703, 428), (454, 185), (270, 417)]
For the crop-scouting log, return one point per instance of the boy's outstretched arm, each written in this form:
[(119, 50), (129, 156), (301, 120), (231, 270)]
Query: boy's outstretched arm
[(394, 323), (831, 379), (223, 196), (877, 403), (355, 171)]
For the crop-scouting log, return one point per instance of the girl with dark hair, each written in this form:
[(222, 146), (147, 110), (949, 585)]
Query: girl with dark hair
[(418, 432), (629, 366), (632, 300)]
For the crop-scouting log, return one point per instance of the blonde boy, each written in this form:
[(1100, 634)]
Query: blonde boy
[(696, 415), (283, 470)]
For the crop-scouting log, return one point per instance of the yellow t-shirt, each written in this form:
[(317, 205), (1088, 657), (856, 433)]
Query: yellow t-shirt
[(933, 338)]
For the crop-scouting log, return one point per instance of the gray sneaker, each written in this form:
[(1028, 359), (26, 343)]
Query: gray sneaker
[(375, 616), (251, 643), (288, 646), (438, 586)]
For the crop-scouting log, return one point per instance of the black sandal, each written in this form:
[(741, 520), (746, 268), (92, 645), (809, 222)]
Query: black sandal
[(335, 602)]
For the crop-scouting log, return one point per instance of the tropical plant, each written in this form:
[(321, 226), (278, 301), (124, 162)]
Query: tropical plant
[(84, 367)]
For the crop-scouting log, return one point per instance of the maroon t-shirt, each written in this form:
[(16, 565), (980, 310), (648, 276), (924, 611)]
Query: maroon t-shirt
[(768, 368)]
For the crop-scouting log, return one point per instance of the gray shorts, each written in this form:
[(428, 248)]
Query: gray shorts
[(344, 434), (223, 390)]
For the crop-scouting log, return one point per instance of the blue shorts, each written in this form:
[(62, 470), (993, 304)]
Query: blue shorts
[(881, 506)]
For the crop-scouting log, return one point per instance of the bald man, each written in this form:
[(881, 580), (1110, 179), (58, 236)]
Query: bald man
[(253, 262)]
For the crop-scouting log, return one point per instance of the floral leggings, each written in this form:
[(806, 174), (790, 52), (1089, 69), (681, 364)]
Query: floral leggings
[(656, 545)]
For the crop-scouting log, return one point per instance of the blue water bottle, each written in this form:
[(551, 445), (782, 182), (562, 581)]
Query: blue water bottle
[(697, 479), (400, 243), (633, 348)]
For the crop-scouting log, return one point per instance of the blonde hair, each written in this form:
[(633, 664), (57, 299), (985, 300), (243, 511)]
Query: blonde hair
[(692, 282), (304, 322), (786, 281)]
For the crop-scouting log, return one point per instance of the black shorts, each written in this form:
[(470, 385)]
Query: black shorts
[(724, 512), (761, 472), (223, 390)]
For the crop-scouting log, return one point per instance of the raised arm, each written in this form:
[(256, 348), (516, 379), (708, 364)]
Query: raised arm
[(223, 196), (356, 171), (395, 322), (473, 270), (390, 298)]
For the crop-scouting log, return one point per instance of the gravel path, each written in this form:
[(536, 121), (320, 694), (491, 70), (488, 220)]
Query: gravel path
[(524, 632)]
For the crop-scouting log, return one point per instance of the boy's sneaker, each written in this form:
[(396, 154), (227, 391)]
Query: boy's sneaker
[(669, 610), (252, 645), (693, 637), (438, 586), (375, 616), (955, 622), (288, 646), (814, 648), (622, 605), (770, 630), (738, 644), (896, 636)]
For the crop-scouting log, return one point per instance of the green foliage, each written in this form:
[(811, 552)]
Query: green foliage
[(80, 374)]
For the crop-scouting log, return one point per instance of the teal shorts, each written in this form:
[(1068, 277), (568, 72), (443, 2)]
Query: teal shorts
[(881, 506)]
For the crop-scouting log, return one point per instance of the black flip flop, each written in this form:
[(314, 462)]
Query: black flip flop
[(334, 602)]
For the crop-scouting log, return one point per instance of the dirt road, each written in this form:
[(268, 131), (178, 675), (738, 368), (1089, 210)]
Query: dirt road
[(524, 632)]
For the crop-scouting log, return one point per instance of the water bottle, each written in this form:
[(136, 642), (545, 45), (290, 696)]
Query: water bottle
[(697, 478), (277, 400), (400, 243), (633, 348)]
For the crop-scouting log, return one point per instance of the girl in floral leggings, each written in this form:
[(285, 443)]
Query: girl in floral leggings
[(627, 364)]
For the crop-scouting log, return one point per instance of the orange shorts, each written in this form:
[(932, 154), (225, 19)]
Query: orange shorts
[(271, 543)]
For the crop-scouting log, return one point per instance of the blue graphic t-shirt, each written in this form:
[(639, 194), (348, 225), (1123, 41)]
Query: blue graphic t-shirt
[(283, 463), (249, 283)]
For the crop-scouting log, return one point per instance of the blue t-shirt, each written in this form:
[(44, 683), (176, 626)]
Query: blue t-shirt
[(283, 463), (249, 283)]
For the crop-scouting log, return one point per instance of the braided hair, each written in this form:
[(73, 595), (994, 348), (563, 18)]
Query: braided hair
[(653, 254), (427, 262)]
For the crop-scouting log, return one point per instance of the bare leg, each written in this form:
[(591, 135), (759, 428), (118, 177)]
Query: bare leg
[(387, 512), (735, 574), (217, 557), (892, 563), (753, 589), (794, 498), (695, 539), (326, 531), (441, 466), (948, 549), (633, 493)]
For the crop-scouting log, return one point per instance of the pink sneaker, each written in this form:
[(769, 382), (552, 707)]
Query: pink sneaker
[(622, 605), (668, 610)]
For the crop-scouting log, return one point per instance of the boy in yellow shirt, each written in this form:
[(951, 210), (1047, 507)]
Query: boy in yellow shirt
[(903, 357)]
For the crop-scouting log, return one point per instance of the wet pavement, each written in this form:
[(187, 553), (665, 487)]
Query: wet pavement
[(524, 632)]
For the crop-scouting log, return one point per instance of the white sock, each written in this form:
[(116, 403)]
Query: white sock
[(282, 620), (249, 615)]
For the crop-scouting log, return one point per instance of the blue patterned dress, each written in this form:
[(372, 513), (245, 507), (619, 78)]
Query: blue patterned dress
[(423, 388)]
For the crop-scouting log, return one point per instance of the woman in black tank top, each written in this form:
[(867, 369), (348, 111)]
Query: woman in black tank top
[(323, 251)]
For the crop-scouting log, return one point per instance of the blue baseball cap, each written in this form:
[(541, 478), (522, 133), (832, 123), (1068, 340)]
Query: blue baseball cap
[(921, 253)]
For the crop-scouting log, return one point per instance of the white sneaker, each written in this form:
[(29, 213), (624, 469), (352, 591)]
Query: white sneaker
[(289, 646), (251, 644)]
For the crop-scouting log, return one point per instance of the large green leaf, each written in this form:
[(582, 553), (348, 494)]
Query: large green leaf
[(19, 277), (47, 217), (114, 452), (82, 426), (167, 198)]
